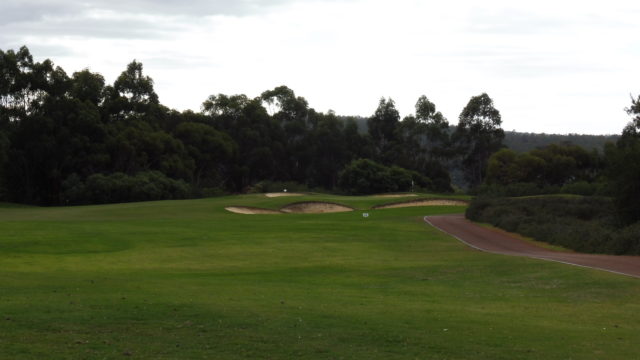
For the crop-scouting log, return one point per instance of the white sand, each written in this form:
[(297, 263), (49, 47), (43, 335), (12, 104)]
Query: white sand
[(250, 210), (315, 208)]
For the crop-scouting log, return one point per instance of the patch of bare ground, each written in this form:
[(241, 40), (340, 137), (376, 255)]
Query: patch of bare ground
[(423, 202), (394, 195), (250, 210), (280, 194), (314, 207)]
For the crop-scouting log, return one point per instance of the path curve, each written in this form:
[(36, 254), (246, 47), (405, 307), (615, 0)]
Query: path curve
[(498, 242)]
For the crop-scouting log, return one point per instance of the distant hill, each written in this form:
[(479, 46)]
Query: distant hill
[(523, 142)]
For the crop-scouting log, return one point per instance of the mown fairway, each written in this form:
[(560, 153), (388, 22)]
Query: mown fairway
[(186, 279)]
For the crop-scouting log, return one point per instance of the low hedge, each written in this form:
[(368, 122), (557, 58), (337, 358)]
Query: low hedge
[(585, 224)]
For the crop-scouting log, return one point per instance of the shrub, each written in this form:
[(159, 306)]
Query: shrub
[(365, 176), (119, 187), (627, 240), (581, 223), (266, 186), (580, 188)]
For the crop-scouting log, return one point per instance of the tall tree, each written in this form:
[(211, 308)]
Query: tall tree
[(478, 135), (327, 149), (211, 150), (436, 128), (261, 153), (624, 167), (132, 95), (4, 158), (382, 129), (292, 113), (88, 86)]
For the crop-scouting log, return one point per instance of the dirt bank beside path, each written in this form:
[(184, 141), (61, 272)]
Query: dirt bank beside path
[(281, 194), (394, 195), (426, 202), (498, 242)]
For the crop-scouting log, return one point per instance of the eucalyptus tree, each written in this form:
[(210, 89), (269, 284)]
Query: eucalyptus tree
[(624, 167), (132, 95), (260, 139), (211, 151), (292, 113), (383, 126), (88, 86), (477, 136), (327, 150), (435, 128)]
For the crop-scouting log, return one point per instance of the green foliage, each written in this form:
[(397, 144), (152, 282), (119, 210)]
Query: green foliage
[(478, 135), (364, 176), (135, 88), (59, 128), (211, 151), (88, 86), (119, 187), (585, 224), (268, 186), (552, 169), (623, 170), (4, 159), (524, 142), (582, 188), (382, 129)]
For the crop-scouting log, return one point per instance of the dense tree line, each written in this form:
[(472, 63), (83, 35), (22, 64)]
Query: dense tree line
[(556, 168), (74, 139), (568, 168), (623, 167), (609, 224)]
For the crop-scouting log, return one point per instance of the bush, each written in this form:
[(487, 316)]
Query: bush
[(365, 176), (627, 240), (119, 187), (267, 186), (580, 188), (581, 223), (515, 189)]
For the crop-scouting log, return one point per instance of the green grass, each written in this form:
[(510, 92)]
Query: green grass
[(186, 279)]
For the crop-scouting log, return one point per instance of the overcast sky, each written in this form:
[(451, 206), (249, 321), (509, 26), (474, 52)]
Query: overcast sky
[(550, 66)]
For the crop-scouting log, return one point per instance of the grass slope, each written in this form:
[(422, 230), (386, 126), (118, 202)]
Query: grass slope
[(186, 279)]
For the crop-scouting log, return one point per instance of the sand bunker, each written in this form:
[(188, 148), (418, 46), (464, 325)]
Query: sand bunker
[(429, 202), (309, 207), (394, 195), (314, 207), (250, 210), (272, 195)]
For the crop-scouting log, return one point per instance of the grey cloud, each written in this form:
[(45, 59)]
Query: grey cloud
[(193, 7), (17, 11), (45, 18), (96, 28)]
